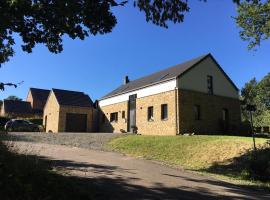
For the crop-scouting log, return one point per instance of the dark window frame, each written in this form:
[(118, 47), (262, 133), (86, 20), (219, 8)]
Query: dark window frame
[(197, 112), (210, 84), (114, 117), (150, 113), (164, 111), (225, 115), (123, 114)]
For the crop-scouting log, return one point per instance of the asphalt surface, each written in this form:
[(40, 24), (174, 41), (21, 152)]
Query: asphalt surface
[(117, 176)]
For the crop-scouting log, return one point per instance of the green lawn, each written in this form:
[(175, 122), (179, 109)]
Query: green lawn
[(225, 156)]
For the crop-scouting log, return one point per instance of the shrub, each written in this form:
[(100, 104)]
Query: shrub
[(259, 164)]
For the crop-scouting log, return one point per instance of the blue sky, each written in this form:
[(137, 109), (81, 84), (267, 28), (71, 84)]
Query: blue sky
[(137, 48)]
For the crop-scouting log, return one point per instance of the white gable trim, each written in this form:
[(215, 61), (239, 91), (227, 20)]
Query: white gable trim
[(147, 91)]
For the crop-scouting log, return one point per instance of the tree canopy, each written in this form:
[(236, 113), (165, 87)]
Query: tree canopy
[(257, 93), (47, 21), (14, 98), (254, 20)]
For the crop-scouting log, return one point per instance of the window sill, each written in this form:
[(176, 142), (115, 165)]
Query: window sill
[(166, 119), (150, 120)]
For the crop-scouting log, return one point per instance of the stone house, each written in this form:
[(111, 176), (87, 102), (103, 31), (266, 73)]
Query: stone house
[(37, 98), (196, 96), (68, 111), (15, 108)]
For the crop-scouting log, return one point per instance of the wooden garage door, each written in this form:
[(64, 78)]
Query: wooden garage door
[(76, 122)]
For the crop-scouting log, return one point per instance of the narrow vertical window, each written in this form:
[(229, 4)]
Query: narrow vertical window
[(164, 111), (197, 112), (150, 113), (225, 115), (210, 84), (123, 115)]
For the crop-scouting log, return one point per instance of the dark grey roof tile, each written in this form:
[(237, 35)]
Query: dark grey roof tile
[(157, 77), (72, 98)]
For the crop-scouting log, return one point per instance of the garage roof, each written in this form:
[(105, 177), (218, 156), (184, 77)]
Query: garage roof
[(40, 94), (72, 98)]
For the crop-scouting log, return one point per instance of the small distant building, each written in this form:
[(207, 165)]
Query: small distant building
[(68, 111), (37, 98), (16, 108)]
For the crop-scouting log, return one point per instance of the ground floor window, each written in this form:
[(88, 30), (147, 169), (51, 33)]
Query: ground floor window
[(150, 113), (197, 112), (114, 117), (164, 111), (225, 114)]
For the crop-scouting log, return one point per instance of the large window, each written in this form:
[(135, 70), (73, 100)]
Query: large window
[(114, 117), (197, 112), (210, 84), (150, 113), (164, 111)]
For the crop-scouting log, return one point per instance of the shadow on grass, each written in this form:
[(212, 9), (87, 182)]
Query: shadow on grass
[(250, 166)]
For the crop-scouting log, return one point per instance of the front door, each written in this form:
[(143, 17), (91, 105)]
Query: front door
[(132, 113)]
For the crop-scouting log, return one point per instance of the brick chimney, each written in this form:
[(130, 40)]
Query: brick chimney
[(126, 80)]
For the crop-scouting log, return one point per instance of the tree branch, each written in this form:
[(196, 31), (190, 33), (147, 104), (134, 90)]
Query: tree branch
[(2, 85)]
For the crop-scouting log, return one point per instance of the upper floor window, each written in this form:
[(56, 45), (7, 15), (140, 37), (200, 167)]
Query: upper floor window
[(114, 117), (197, 112), (210, 84), (150, 113), (164, 111), (123, 114)]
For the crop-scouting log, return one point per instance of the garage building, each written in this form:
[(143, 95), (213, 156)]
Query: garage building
[(68, 111)]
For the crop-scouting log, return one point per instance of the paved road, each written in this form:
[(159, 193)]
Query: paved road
[(127, 178)]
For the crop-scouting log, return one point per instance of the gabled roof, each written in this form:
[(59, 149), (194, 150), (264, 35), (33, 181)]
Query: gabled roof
[(15, 106), (40, 94), (72, 98), (162, 76)]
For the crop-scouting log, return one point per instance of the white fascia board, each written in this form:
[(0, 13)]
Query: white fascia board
[(144, 92)]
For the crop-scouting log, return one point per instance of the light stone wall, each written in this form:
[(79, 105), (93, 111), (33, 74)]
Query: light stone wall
[(196, 80), (51, 110), (114, 127), (145, 127), (157, 126), (29, 98), (211, 112), (76, 110)]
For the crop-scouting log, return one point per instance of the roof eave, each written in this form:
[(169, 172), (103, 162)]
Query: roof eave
[(156, 83)]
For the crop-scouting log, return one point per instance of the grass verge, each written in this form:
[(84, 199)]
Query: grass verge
[(31, 177), (226, 157)]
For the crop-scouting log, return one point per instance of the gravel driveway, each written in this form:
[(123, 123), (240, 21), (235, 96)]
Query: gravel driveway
[(95, 141)]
